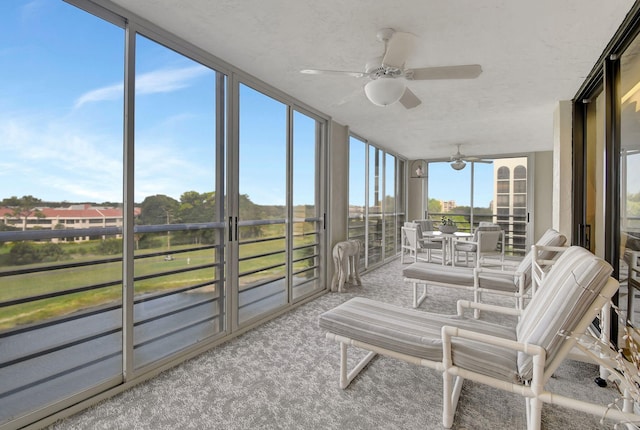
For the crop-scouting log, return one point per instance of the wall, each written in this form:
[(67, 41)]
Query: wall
[(562, 168), (542, 213), (338, 204), (415, 194)]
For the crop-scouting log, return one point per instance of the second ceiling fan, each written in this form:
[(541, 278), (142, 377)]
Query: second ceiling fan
[(388, 76), (459, 160)]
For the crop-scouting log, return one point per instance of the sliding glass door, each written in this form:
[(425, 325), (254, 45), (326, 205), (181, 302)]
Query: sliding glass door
[(151, 204), (178, 264), (630, 179), (61, 207), (278, 230)]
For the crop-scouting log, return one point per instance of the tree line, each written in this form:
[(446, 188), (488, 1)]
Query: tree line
[(192, 208)]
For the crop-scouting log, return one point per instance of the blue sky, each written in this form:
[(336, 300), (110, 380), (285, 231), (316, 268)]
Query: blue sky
[(448, 184), (61, 110)]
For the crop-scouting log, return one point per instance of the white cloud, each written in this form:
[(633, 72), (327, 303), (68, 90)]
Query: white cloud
[(158, 81), (54, 162), (112, 92)]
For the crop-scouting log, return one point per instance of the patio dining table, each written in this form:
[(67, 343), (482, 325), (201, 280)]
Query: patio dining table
[(447, 242)]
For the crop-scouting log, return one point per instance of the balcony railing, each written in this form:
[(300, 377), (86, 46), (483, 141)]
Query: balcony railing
[(61, 322), (378, 246)]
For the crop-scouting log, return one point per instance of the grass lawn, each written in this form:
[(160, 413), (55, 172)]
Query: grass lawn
[(31, 284)]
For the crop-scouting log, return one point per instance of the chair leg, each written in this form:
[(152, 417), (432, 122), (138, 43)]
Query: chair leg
[(534, 413), (451, 386), (345, 376), (417, 301)]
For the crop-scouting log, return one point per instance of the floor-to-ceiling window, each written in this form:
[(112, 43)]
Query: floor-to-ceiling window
[(151, 204), (389, 205), (494, 190), (308, 219), (356, 227), (178, 276), (280, 221), (630, 176), (262, 215), (374, 205), (61, 205), (606, 131), (376, 201)]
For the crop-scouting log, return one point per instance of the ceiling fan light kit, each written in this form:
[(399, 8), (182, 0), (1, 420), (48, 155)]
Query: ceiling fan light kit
[(458, 165), (459, 161), (388, 74), (385, 91)]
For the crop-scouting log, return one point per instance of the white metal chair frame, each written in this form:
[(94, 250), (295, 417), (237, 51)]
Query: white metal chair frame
[(414, 243), (539, 268), (484, 243), (533, 391)]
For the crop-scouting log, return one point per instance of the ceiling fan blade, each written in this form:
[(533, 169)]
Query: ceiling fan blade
[(469, 71), (475, 160), (333, 73), (409, 100), (399, 47)]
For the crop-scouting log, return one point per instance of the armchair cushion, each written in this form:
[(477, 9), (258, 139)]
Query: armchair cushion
[(505, 281), (435, 273)]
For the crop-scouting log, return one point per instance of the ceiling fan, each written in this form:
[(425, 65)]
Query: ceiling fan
[(388, 76), (459, 161)]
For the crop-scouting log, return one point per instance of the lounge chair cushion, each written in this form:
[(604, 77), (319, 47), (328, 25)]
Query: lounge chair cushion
[(570, 287), (418, 334), (437, 273)]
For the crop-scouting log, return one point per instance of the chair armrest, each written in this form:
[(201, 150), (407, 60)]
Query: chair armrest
[(535, 249), (518, 277), (497, 271), (448, 332), (537, 353), (455, 240), (466, 304), (538, 265)]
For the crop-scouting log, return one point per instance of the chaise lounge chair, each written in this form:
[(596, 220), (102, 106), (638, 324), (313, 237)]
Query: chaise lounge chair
[(515, 283), (519, 360)]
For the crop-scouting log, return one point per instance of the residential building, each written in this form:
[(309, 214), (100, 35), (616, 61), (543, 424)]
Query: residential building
[(82, 216)]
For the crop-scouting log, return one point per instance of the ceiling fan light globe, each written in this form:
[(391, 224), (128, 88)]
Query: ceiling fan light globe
[(385, 91), (458, 165)]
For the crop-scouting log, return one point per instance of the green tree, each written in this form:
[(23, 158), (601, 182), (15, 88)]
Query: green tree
[(196, 208), (249, 211), (158, 209), (434, 206), (23, 208)]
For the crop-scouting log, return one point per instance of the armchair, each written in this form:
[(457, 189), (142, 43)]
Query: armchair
[(488, 240), (414, 243)]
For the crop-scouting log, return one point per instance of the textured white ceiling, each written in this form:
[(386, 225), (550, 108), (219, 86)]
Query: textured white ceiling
[(533, 53)]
